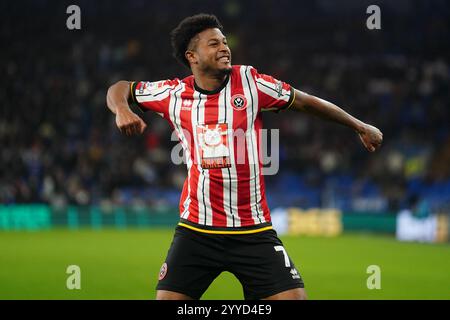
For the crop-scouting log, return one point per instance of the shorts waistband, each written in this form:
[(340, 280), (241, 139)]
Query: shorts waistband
[(243, 230)]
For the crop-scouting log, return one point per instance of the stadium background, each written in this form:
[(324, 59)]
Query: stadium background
[(74, 191)]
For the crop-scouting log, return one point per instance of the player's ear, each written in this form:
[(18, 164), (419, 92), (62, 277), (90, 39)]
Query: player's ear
[(190, 56)]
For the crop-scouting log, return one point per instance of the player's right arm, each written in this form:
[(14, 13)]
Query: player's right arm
[(117, 98)]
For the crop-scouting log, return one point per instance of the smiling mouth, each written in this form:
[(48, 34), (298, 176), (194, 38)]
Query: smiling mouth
[(225, 59)]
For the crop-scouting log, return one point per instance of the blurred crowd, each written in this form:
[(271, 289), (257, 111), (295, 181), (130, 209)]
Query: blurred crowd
[(60, 145)]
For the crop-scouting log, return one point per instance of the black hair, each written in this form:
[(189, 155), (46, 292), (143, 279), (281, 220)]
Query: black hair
[(188, 29)]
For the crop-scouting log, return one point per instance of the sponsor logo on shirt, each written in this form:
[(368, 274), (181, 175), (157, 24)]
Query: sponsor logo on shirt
[(187, 104), (213, 146)]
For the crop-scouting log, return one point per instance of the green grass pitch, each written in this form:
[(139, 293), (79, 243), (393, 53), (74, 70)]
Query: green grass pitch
[(124, 264)]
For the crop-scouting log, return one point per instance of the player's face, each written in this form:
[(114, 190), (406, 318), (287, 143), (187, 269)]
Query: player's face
[(211, 52)]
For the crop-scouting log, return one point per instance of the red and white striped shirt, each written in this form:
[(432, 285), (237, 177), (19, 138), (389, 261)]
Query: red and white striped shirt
[(220, 134)]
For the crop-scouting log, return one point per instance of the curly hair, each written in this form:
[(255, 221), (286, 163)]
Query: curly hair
[(188, 29)]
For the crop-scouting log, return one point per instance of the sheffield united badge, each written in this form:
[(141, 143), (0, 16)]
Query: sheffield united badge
[(239, 102)]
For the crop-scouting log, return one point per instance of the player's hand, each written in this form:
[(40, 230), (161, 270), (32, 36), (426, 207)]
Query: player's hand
[(129, 123), (371, 137)]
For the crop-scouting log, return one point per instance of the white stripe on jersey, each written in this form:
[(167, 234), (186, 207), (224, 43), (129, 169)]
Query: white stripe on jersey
[(229, 175), (269, 88), (208, 213), (205, 173), (250, 91), (187, 202), (194, 116), (204, 203), (174, 112)]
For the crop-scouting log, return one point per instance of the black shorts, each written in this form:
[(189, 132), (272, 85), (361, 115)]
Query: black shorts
[(258, 261)]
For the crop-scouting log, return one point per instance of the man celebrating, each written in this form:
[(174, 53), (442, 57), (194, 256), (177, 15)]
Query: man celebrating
[(224, 218)]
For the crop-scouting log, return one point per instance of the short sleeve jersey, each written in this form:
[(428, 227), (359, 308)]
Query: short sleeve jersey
[(220, 132)]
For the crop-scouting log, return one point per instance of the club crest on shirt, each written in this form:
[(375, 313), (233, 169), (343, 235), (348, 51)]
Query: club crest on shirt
[(162, 271), (239, 102)]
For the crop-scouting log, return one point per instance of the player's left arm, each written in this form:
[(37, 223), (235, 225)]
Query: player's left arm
[(370, 136)]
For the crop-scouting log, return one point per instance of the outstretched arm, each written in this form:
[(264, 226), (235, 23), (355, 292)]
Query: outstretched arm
[(370, 136), (117, 100)]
